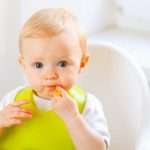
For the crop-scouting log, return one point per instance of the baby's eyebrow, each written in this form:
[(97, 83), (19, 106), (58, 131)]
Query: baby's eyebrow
[(65, 58), (37, 59)]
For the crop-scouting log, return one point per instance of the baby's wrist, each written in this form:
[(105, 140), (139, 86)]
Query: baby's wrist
[(70, 122)]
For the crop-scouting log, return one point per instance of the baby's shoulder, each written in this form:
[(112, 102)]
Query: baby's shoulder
[(93, 101), (9, 97), (13, 92)]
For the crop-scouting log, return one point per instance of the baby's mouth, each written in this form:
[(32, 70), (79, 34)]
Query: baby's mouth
[(51, 86), (54, 89)]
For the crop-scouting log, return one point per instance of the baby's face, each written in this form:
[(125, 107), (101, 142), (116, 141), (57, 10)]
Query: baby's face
[(51, 62)]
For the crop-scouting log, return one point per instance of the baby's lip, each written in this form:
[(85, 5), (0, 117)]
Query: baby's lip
[(50, 86), (53, 86)]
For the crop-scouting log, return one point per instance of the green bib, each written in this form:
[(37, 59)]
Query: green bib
[(45, 130)]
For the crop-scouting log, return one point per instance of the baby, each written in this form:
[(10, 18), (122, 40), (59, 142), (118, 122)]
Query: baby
[(52, 113)]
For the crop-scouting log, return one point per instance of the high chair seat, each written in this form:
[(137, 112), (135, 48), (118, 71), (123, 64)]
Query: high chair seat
[(123, 89)]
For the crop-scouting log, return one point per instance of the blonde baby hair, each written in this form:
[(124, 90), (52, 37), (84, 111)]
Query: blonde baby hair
[(50, 22)]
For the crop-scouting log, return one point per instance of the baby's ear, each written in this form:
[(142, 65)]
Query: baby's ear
[(21, 61), (84, 62)]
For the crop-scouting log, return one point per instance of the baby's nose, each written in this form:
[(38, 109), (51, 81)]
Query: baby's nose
[(50, 74)]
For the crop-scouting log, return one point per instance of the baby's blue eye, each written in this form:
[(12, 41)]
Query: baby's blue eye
[(38, 65), (62, 63)]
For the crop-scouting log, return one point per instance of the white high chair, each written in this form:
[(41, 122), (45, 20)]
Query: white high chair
[(120, 84)]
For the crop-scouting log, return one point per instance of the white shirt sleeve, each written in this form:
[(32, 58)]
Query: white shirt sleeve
[(94, 115), (9, 98)]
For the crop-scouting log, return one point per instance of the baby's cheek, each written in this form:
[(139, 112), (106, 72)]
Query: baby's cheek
[(68, 78), (68, 82)]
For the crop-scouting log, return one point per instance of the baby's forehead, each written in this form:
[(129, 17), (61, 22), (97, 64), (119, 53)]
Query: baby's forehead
[(61, 44), (54, 53)]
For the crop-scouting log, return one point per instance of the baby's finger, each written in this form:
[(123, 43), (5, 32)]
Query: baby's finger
[(18, 103), (18, 109), (14, 121), (62, 91), (21, 115), (57, 100), (54, 103)]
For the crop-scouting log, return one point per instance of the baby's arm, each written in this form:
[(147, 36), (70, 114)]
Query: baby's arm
[(83, 136), (12, 114)]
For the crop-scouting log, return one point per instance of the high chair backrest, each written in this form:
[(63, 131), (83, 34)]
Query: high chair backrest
[(120, 84)]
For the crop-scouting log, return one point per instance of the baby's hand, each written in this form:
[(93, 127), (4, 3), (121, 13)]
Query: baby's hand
[(12, 114), (64, 106)]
